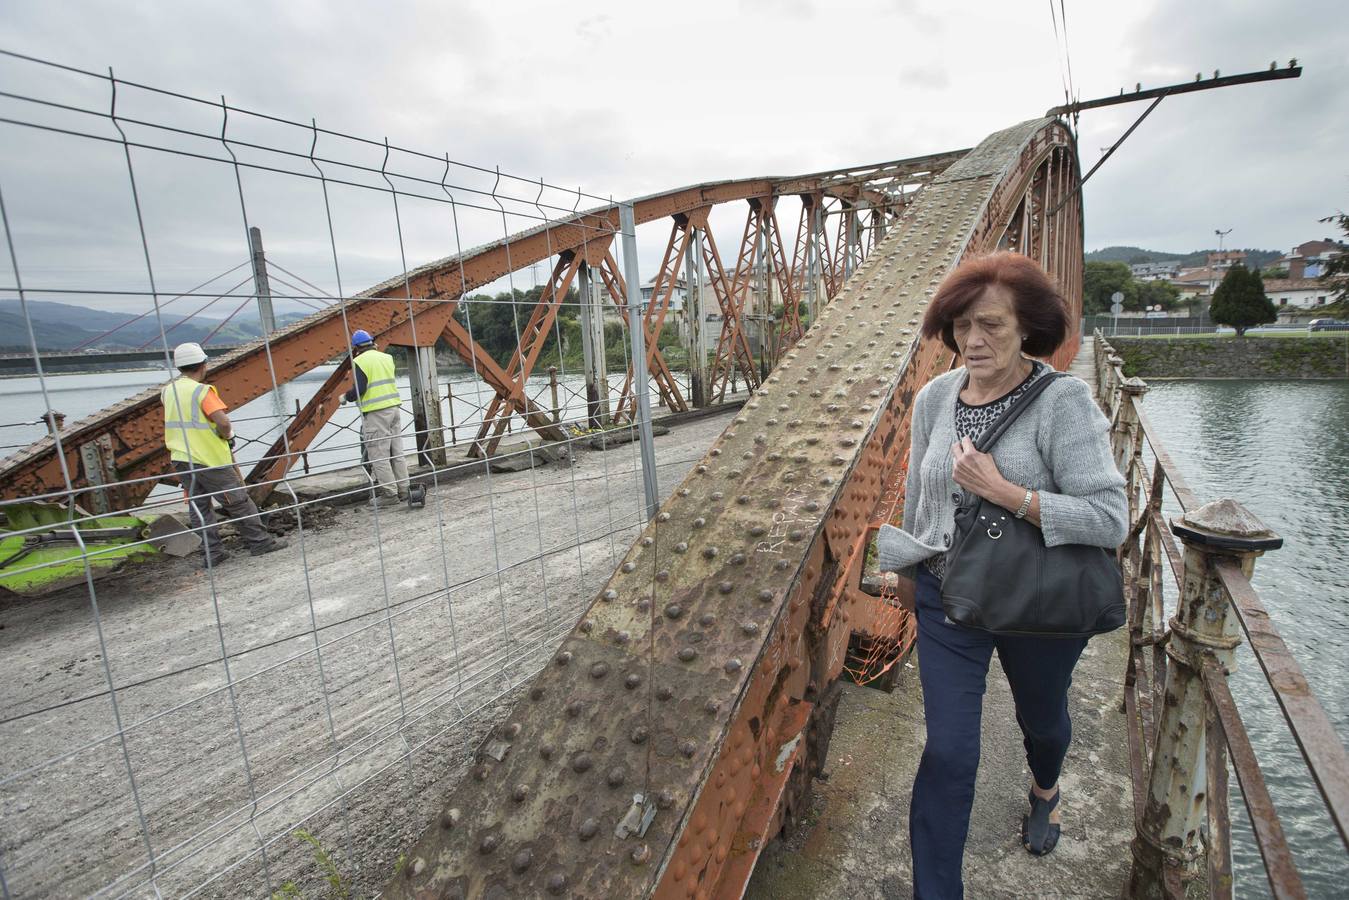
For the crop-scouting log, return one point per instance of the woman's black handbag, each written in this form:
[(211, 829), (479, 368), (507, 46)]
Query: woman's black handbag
[(1000, 577)]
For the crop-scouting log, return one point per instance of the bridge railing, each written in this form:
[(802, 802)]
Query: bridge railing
[(1185, 726)]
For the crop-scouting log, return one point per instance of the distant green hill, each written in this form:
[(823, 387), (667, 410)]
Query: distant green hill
[(64, 326), (1255, 259)]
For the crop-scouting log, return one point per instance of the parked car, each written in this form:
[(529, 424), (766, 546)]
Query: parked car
[(1328, 325)]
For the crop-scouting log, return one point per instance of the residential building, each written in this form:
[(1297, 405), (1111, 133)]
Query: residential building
[(1297, 293), (1162, 270), (1307, 260)]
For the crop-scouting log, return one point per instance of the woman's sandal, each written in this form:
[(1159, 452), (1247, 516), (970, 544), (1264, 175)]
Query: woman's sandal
[(1039, 835)]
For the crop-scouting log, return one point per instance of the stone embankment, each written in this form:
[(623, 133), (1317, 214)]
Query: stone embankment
[(1226, 356)]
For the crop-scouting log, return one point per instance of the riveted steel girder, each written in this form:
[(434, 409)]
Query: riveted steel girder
[(694, 677)]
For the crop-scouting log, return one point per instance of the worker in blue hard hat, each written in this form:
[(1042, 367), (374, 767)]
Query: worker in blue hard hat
[(200, 438), (376, 393)]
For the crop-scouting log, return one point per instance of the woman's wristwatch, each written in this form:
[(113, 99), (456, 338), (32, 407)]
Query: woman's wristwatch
[(1025, 504)]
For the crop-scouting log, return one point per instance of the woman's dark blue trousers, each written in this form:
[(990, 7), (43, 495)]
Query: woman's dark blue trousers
[(953, 666)]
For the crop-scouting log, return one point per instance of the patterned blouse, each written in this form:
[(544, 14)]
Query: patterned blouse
[(972, 421)]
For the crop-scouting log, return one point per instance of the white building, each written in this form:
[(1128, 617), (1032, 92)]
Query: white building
[(1155, 271), (1297, 293)]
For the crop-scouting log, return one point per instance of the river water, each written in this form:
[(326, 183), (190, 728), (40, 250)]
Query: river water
[(261, 421), (1281, 448)]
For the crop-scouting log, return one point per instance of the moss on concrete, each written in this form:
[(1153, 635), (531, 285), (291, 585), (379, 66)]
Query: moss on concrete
[(1227, 356)]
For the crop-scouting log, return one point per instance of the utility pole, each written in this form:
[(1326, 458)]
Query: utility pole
[(1213, 279), (261, 286)]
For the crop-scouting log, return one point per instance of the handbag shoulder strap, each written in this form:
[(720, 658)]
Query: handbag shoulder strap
[(1015, 409)]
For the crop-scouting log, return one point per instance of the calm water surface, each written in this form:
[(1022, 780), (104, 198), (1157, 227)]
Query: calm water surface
[(1282, 449)]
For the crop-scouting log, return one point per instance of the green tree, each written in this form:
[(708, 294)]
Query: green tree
[(1335, 274), (1158, 293), (1100, 280), (1240, 300)]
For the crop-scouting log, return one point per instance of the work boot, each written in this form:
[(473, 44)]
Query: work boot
[(218, 556), (273, 545), (381, 501)]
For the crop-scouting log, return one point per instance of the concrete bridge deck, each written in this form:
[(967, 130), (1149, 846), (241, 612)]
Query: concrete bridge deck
[(855, 844)]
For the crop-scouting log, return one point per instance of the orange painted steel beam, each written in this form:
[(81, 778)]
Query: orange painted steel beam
[(529, 346)]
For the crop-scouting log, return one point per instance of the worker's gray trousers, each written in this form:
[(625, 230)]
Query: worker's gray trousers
[(381, 433), (222, 485)]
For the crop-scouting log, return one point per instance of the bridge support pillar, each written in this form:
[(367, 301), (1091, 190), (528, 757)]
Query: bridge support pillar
[(695, 279), (428, 424), (592, 348), (1167, 847)]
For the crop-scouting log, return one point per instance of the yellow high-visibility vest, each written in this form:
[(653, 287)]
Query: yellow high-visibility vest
[(188, 434), (381, 391)]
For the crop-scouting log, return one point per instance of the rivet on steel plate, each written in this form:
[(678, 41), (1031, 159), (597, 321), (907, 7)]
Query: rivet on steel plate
[(737, 559), (582, 762), (639, 734), (640, 855), (450, 817), (488, 843), (709, 552), (681, 547), (557, 883), (717, 495), (707, 620), (781, 565), (757, 530), (589, 828), (574, 708), (610, 594), (684, 492), (647, 541), (563, 658), (628, 566), (663, 576), (732, 665), (698, 522), (664, 692), (766, 596), (743, 499), (546, 751), (599, 670), (674, 611), (715, 451), (688, 748), (536, 692), (725, 587), (687, 654), (520, 793), (616, 777)]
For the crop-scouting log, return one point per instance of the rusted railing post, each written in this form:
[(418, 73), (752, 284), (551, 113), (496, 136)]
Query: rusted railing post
[(1124, 427), (1167, 841)]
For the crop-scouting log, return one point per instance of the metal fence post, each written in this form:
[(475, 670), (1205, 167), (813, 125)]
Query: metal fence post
[(261, 285), (641, 388), (1167, 845)]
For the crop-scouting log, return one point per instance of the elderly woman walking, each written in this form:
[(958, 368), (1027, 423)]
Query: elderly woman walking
[(1053, 468)]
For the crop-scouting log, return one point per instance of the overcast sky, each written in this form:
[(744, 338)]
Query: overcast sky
[(629, 98)]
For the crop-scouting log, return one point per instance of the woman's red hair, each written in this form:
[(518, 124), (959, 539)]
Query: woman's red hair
[(1041, 311)]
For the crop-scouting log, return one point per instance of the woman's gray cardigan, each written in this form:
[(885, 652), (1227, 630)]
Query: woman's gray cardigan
[(1059, 447)]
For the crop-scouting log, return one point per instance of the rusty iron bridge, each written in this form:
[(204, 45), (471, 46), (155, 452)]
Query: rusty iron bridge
[(678, 723)]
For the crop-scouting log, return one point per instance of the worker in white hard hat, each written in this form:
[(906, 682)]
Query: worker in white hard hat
[(199, 437)]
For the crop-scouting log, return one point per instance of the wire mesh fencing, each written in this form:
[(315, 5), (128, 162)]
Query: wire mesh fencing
[(180, 725)]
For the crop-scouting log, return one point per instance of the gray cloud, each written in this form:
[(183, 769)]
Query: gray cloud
[(630, 99)]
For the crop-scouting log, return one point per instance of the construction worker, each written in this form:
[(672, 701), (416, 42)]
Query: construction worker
[(199, 436), (376, 393)]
